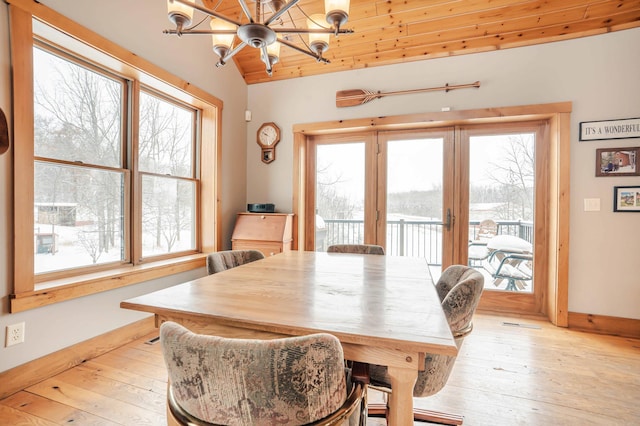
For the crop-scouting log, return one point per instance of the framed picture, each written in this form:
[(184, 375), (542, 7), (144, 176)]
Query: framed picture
[(610, 129), (617, 161), (626, 199)]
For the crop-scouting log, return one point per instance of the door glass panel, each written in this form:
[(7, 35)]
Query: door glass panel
[(340, 177), (501, 208), (414, 199)]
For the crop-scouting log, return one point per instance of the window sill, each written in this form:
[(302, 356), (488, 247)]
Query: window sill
[(70, 288)]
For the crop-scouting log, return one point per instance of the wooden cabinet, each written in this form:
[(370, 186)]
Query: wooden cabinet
[(271, 233)]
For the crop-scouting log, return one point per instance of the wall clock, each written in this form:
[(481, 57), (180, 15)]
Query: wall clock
[(268, 137)]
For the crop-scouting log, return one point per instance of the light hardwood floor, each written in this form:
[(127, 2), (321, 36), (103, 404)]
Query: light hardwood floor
[(506, 374)]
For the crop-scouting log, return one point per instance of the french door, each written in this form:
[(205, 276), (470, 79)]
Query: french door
[(426, 192)]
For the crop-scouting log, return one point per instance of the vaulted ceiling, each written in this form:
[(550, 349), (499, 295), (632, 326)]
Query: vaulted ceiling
[(395, 31)]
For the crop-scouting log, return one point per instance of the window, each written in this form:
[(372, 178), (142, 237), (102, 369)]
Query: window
[(111, 165), (166, 151), (79, 171)]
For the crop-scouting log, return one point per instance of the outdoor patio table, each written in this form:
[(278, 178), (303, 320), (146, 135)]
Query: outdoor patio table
[(509, 258)]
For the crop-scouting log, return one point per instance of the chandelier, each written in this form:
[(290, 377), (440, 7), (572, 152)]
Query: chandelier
[(259, 32)]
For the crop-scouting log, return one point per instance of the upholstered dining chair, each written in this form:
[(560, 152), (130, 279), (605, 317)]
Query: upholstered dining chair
[(287, 381), (451, 276), (459, 289), (223, 260), (356, 248)]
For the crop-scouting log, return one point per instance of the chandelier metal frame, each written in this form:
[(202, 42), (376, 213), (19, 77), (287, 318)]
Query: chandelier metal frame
[(259, 35)]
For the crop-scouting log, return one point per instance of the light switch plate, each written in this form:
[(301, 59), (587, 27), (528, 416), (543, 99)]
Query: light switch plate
[(592, 204)]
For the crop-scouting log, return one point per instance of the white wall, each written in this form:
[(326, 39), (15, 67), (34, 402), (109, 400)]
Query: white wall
[(598, 74), (136, 26)]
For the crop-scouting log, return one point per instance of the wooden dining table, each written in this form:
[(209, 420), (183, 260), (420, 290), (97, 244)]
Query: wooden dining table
[(384, 309)]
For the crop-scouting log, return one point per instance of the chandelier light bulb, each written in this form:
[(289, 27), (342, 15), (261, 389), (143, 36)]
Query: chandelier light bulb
[(318, 42), (222, 42), (337, 13), (179, 14), (274, 49)]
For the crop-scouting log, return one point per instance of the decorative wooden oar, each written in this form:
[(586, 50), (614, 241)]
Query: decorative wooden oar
[(347, 98), (4, 133)]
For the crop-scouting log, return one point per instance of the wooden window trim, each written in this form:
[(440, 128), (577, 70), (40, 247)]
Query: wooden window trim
[(27, 294), (555, 302)]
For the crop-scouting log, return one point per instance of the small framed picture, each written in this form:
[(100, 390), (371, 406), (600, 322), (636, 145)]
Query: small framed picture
[(617, 161), (626, 199)]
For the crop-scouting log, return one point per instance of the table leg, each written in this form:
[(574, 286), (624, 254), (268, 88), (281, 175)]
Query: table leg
[(401, 397)]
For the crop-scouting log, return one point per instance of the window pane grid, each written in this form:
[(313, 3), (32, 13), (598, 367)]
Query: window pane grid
[(166, 137), (79, 217), (78, 112), (168, 215)]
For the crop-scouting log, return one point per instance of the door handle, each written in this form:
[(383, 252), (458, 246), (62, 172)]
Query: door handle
[(447, 224)]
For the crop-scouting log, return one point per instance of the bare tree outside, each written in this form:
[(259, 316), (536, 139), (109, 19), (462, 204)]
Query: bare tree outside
[(90, 241), (81, 165), (330, 203), (510, 177), (165, 153), (515, 175), (339, 194)]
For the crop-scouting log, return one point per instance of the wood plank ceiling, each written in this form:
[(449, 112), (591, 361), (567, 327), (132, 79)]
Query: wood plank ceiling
[(395, 31)]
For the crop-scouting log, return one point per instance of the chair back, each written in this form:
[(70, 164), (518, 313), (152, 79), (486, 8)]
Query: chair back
[(487, 229), (459, 305), (461, 302), (356, 248), (450, 277), (223, 260), (286, 381), (462, 287)]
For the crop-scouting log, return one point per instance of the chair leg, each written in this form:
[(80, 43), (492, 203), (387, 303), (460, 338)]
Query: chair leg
[(377, 410), (419, 415)]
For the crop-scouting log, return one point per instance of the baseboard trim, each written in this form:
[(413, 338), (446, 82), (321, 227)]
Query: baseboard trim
[(602, 324), (30, 373)]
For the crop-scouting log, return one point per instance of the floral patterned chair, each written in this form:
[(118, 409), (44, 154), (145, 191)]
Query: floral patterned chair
[(223, 260), (288, 381), (450, 277), (459, 289), (356, 248)]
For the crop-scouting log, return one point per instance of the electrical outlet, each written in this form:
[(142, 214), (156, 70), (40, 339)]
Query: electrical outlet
[(15, 334)]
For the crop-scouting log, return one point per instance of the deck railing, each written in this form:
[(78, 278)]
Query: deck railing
[(420, 238)]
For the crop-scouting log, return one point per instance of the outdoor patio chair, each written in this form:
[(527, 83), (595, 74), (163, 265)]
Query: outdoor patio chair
[(487, 229)]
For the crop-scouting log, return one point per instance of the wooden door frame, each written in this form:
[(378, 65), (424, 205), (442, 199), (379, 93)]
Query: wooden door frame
[(554, 304)]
